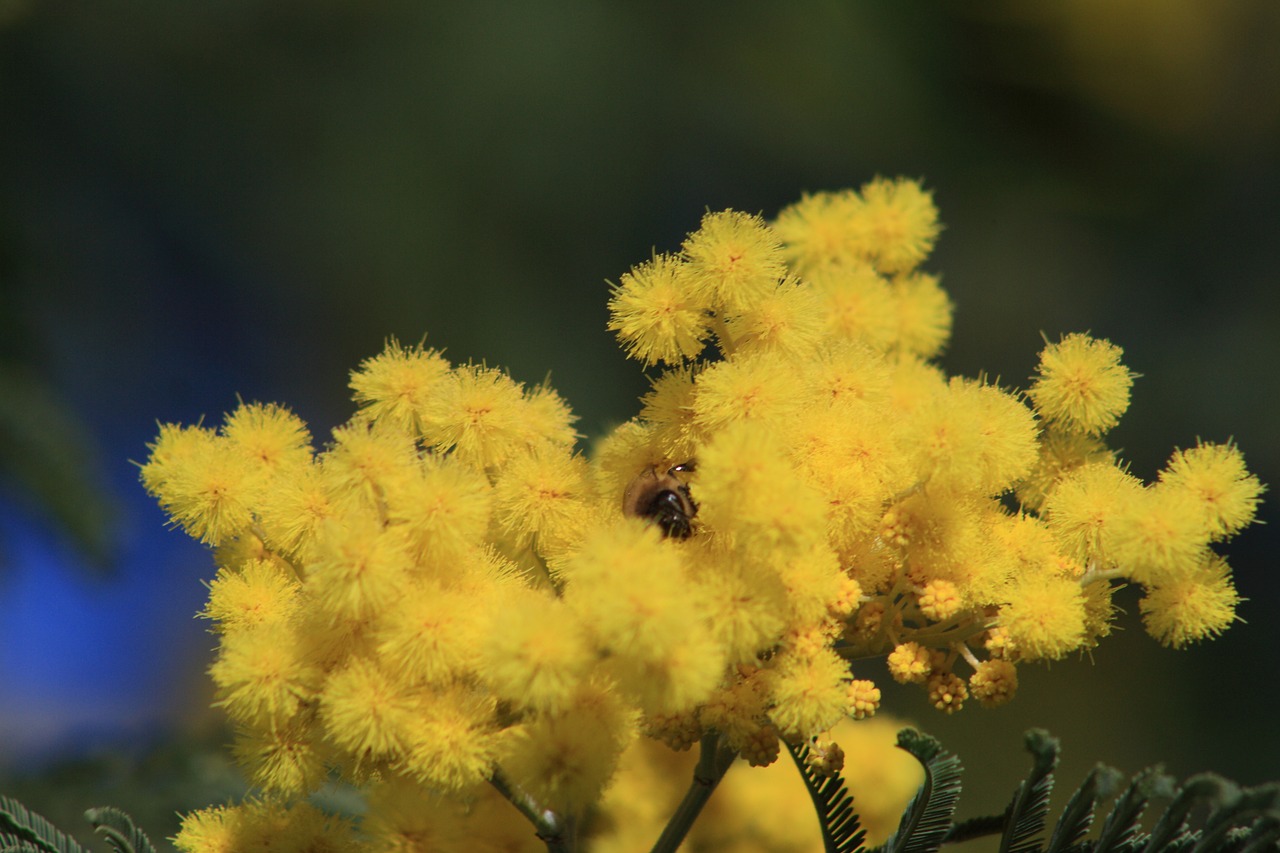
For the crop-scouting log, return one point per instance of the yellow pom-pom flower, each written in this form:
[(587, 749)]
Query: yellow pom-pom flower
[(1083, 508), (787, 321), (1216, 475), (810, 693), (540, 655), (1045, 619), (452, 742), (263, 675), (1161, 532), (258, 593), (858, 305), (565, 760), (272, 437), (1193, 607), (1082, 386), (896, 224), (748, 488), (284, 759), (818, 233), (657, 313), (735, 260), (396, 385)]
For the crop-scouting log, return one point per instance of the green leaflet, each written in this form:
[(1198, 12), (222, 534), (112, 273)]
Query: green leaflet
[(22, 831), (841, 832)]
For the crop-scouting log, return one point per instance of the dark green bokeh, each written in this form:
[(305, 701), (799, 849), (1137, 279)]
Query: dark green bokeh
[(249, 197)]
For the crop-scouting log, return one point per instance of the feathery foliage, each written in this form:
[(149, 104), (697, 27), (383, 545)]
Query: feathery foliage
[(927, 819), (841, 832)]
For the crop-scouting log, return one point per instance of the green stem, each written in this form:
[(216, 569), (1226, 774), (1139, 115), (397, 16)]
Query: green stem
[(558, 832), (714, 760)]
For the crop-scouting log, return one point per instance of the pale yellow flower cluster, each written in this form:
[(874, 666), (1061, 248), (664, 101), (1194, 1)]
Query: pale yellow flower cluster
[(446, 593)]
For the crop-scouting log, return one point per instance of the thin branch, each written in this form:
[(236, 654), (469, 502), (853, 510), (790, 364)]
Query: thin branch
[(714, 760), (558, 832)]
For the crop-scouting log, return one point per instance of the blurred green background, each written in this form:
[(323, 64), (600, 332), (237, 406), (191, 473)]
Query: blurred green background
[(238, 197)]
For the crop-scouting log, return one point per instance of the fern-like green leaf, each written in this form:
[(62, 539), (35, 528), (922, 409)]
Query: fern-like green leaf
[(1121, 830), (1026, 813), (1251, 808), (927, 820), (841, 832), (1077, 817), (119, 830), (21, 829), (1172, 829)]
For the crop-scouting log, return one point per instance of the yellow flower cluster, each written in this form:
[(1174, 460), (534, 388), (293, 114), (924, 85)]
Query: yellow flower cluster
[(446, 593)]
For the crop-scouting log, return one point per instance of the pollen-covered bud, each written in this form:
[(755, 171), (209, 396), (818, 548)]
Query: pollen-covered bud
[(678, 731), (761, 747), (994, 683), (998, 643), (939, 599), (947, 692), (825, 757), (864, 698), (910, 663)]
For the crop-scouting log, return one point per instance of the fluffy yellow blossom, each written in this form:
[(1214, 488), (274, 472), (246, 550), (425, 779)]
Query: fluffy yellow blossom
[(284, 759), (367, 711), (857, 305), (658, 313), (1084, 506), (364, 458), (1192, 607), (896, 225), (567, 758), (1060, 453), (265, 825), (817, 231), (1216, 475), (270, 436), (746, 487), (539, 656), (745, 603), (262, 674), (735, 260), (396, 385), (440, 507), (207, 487), (542, 494), (810, 693), (668, 410), (432, 635), (1082, 385), (785, 321), (360, 569), (760, 388), (451, 743), (1045, 618), (1162, 531), (258, 592), (296, 509)]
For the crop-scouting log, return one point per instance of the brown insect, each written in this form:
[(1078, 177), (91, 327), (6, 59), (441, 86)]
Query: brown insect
[(664, 498)]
